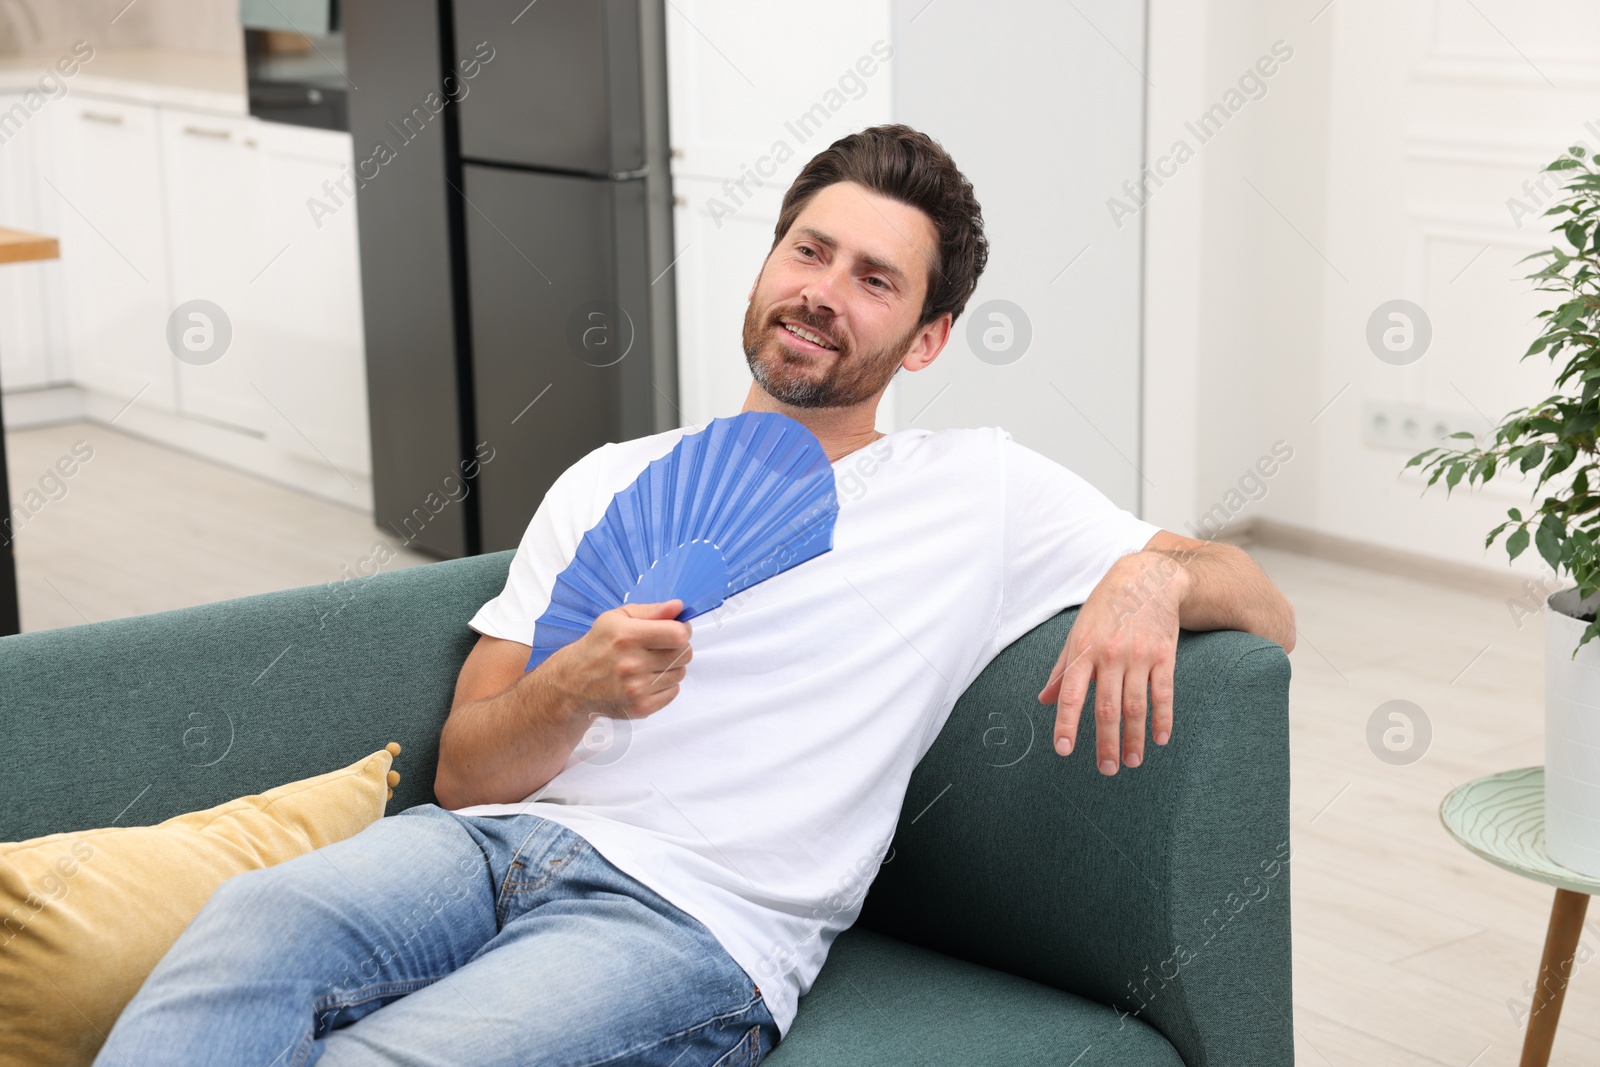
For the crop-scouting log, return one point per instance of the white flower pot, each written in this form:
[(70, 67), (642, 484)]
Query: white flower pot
[(1571, 735)]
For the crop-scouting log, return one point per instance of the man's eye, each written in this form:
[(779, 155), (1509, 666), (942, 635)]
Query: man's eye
[(805, 250), (877, 282)]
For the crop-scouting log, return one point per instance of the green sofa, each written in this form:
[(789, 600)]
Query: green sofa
[(1031, 911)]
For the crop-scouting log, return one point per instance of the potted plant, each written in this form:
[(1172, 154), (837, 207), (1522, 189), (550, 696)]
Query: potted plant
[(1559, 433)]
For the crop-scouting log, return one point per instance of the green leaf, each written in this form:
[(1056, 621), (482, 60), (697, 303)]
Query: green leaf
[(1532, 457), (1589, 633), (1581, 423), (1515, 513), (1549, 546), (1517, 541), (1560, 461)]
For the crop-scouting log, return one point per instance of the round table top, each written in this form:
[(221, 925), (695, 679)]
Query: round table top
[(1501, 818)]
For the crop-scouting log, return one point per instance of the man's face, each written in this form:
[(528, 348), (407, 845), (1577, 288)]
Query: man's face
[(835, 307)]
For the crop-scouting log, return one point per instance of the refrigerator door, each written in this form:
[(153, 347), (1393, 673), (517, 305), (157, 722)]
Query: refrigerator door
[(557, 84), (406, 278), (561, 330)]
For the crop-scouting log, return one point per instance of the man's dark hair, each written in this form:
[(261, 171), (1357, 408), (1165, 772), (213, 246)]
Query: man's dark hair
[(909, 166)]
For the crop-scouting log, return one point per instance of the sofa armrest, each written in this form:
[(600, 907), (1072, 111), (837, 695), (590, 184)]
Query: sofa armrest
[(1163, 890)]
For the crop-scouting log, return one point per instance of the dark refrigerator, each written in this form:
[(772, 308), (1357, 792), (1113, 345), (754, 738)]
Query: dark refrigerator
[(516, 243)]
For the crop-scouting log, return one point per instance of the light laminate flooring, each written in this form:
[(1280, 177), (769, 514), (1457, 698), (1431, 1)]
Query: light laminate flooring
[(1408, 950), (140, 528)]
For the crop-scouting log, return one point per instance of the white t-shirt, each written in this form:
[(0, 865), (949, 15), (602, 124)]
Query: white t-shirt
[(762, 799)]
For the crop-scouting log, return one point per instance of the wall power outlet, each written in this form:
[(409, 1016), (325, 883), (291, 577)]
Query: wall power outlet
[(1415, 427)]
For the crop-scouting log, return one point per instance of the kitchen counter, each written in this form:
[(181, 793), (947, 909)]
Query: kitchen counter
[(148, 76), (19, 247)]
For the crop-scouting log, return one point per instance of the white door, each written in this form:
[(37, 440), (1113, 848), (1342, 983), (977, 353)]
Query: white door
[(105, 183)]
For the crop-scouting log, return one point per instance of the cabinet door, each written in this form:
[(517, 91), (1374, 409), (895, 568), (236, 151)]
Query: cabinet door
[(33, 343), (309, 299), (218, 250), (106, 182)]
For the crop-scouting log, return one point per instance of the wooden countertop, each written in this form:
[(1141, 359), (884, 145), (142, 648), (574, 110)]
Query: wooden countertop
[(19, 247)]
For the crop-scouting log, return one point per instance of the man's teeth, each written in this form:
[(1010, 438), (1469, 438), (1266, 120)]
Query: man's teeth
[(806, 335)]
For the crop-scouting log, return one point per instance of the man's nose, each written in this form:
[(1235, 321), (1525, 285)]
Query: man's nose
[(823, 291)]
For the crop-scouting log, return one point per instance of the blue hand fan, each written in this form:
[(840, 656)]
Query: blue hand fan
[(744, 499)]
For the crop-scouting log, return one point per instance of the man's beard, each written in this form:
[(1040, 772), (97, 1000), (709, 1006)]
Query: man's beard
[(784, 373)]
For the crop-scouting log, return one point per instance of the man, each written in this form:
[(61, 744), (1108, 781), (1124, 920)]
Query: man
[(666, 894)]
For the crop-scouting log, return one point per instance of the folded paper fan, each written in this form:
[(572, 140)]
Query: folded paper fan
[(744, 499)]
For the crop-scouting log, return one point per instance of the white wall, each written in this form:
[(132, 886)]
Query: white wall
[(1381, 158), (204, 26), (1437, 122), (1041, 112), (1374, 162), (1041, 105), (1231, 306)]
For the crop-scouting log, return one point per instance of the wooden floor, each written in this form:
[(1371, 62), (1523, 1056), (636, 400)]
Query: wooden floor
[(1408, 950)]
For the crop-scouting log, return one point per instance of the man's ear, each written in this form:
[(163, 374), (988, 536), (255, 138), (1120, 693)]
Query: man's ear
[(930, 341)]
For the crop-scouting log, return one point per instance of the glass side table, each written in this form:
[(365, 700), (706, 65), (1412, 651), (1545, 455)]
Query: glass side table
[(1501, 818)]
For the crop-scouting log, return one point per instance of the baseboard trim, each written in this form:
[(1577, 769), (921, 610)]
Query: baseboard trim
[(44, 406), (1272, 534), (217, 443)]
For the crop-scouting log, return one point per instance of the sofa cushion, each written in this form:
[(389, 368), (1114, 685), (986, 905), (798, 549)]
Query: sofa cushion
[(880, 1003), (86, 915)]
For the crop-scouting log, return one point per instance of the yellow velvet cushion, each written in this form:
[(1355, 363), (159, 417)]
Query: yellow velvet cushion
[(86, 916)]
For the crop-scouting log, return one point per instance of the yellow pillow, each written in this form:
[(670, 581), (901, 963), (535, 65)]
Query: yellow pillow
[(86, 916)]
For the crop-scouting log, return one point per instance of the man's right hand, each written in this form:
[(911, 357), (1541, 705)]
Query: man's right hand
[(630, 662), (510, 730)]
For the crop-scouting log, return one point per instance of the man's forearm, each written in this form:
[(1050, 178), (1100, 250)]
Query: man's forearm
[(1228, 591), (501, 749)]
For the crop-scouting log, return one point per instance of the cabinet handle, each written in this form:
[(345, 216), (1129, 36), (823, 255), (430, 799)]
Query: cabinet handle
[(201, 131), (101, 116)]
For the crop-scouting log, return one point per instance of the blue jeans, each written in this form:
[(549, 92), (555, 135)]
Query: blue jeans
[(432, 938)]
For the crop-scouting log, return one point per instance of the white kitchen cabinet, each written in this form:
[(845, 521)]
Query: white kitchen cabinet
[(33, 343), (106, 178), (157, 206), (218, 244), (309, 298)]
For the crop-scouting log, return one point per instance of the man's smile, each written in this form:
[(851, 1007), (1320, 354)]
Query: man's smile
[(808, 340)]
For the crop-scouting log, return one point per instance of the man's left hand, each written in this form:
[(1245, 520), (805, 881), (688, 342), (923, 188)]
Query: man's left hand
[(1125, 638)]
